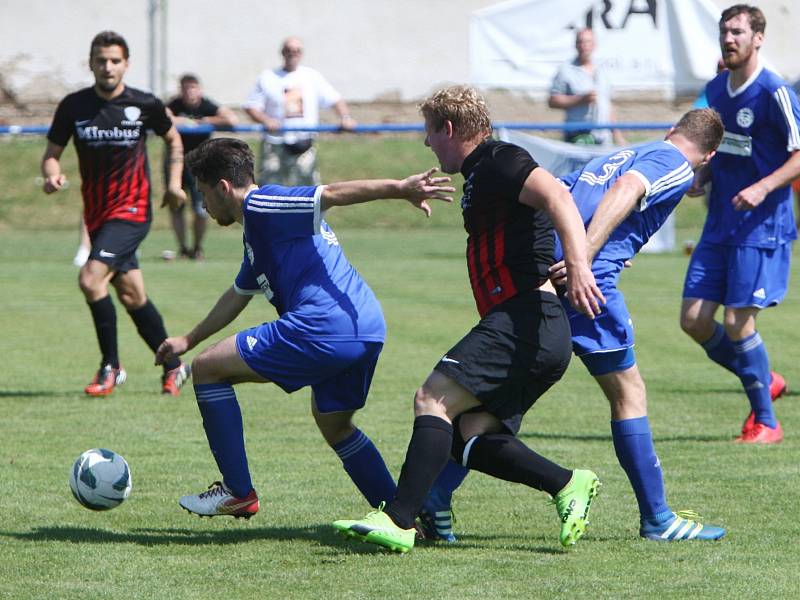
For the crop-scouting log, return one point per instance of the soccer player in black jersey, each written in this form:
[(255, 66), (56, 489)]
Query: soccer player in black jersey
[(472, 404), (108, 124)]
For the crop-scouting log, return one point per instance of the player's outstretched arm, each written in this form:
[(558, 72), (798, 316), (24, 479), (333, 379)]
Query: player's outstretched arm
[(227, 308), (542, 191), (417, 189), (54, 179)]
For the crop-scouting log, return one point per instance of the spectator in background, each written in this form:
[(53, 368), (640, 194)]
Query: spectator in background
[(108, 124), (292, 95), (189, 109), (743, 257), (582, 89)]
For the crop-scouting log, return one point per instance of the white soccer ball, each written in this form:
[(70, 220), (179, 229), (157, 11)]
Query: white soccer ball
[(100, 479)]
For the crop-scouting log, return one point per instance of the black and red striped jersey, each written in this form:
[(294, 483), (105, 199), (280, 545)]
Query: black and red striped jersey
[(510, 245), (110, 138)]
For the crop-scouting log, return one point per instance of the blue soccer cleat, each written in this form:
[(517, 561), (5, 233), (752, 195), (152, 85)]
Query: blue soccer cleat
[(682, 525), (436, 517)]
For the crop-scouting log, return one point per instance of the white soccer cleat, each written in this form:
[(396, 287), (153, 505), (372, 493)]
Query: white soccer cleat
[(218, 500)]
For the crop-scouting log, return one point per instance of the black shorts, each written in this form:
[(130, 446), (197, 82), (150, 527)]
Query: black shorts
[(513, 355), (115, 243)]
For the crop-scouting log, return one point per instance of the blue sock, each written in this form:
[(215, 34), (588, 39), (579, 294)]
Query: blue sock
[(719, 348), (222, 420), (633, 444), (364, 464), (446, 483), (754, 374)]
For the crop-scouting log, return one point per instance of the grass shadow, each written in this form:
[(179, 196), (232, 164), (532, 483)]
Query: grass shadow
[(322, 534), (607, 438)]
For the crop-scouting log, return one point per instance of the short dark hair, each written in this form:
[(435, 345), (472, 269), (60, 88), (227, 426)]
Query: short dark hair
[(190, 78), (758, 23), (222, 158), (108, 38), (703, 127)]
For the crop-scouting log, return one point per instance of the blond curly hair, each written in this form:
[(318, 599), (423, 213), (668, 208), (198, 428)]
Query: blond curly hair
[(463, 106)]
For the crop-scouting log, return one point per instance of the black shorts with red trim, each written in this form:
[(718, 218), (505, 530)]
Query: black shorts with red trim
[(115, 243), (515, 353)]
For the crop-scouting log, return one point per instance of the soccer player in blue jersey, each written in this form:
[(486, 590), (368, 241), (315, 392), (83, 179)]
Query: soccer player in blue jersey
[(623, 199), (742, 259), (330, 329)]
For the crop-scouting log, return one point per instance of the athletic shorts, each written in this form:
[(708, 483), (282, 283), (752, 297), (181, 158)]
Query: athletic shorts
[(612, 329), (738, 276), (339, 372), (512, 356), (115, 243)]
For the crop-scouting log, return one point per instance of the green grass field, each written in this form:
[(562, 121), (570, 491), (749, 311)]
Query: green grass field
[(50, 547)]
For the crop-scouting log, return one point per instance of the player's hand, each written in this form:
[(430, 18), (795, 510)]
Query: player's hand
[(272, 125), (582, 291), (750, 197), (421, 187), (348, 123), (54, 183), (590, 98), (170, 348), (558, 273), (702, 176), (174, 198)]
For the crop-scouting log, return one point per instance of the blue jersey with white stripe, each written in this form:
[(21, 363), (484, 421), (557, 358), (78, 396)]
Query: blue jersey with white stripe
[(666, 175), (292, 256), (762, 128)]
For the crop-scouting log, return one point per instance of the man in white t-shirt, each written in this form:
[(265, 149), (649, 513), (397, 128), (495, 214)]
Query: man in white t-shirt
[(582, 89), (291, 96)]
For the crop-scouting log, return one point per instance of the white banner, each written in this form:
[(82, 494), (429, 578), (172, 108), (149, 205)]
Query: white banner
[(667, 46)]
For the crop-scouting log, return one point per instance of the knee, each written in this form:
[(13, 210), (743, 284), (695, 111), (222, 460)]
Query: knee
[(334, 431), (424, 402), (203, 370), (88, 284), (694, 325), (131, 299)]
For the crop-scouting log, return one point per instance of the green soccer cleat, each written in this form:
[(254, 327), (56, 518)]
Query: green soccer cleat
[(378, 528), (573, 504)]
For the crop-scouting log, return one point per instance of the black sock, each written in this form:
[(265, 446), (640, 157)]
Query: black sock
[(105, 325), (150, 326), (503, 456), (427, 454)]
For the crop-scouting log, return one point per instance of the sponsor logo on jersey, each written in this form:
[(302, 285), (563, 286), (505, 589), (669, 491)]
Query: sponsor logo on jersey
[(93, 133), (132, 114), (466, 199), (734, 143), (263, 282), (745, 117)]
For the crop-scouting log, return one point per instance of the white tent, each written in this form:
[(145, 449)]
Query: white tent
[(665, 46)]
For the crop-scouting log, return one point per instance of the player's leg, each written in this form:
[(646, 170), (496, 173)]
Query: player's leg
[(270, 171), (703, 292), (93, 279), (633, 444), (179, 227), (215, 371), (333, 403), (200, 219), (758, 278), (130, 289)]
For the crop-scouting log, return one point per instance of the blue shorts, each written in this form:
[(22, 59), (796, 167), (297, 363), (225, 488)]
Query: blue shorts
[(612, 329), (738, 276), (339, 372)]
